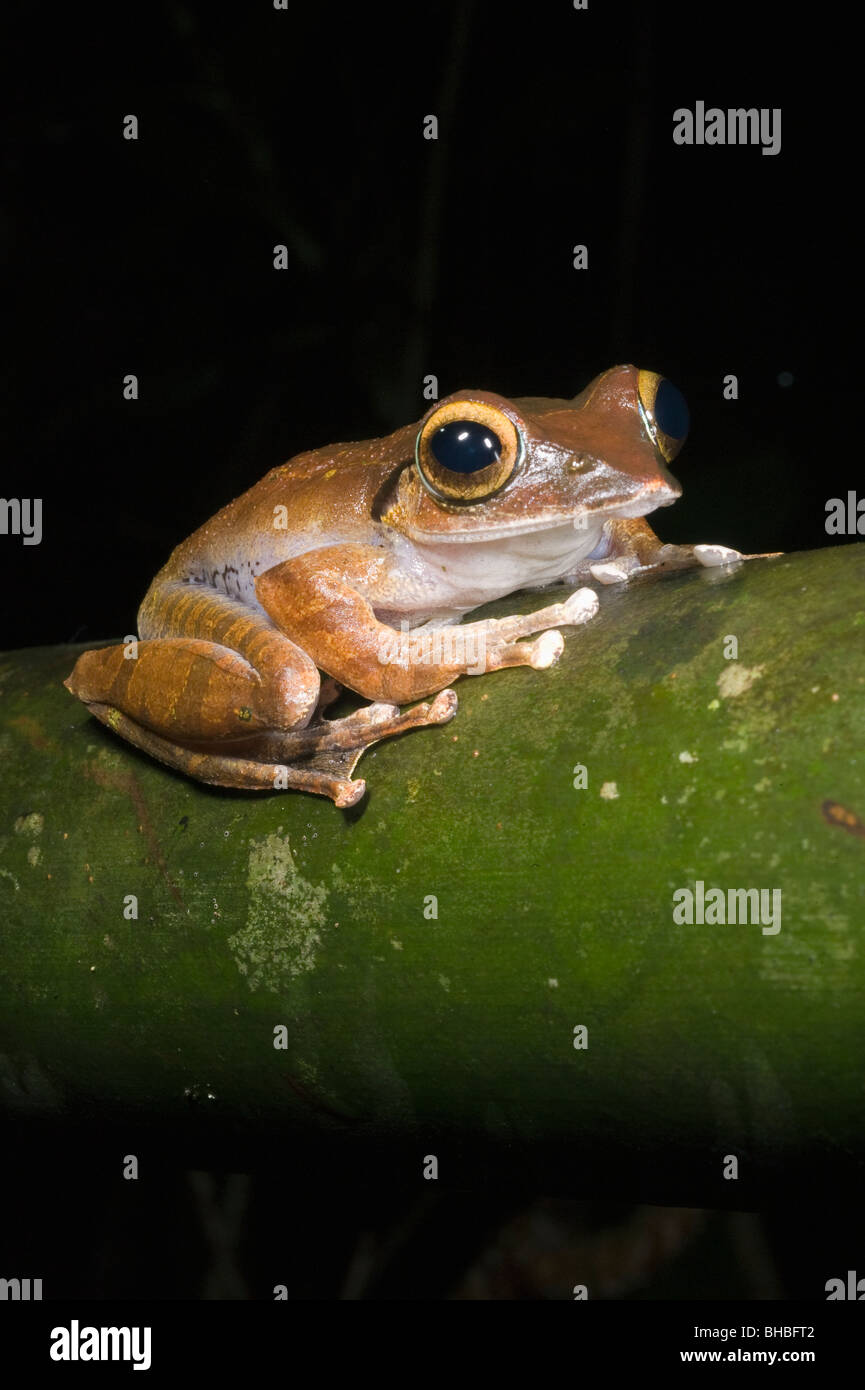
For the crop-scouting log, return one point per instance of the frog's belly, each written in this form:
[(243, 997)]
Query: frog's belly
[(450, 579)]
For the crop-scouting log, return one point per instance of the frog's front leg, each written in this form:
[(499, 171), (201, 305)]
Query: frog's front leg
[(633, 549), (326, 600)]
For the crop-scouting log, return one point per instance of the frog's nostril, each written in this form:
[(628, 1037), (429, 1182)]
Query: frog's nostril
[(581, 463)]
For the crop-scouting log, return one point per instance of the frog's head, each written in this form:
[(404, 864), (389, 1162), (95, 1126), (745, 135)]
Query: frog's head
[(487, 467)]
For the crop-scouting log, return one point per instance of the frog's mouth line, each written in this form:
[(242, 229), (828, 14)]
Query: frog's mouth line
[(634, 507)]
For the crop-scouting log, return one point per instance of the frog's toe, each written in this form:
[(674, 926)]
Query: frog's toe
[(348, 793), (711, 555), (614, 571), (377, 713), (546, 650), (580, 607), (443, 707)]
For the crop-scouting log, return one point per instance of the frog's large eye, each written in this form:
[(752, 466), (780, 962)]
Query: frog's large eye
[(665, 413), (466, 451)]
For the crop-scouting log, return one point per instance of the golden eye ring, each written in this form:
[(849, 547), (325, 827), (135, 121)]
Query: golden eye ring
[(453, 445), (665, 413)]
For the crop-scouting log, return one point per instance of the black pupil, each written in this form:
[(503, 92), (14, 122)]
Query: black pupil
[(671, 411), (465, 446)]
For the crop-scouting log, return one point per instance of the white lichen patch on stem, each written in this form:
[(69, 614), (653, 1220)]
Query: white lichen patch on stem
[(286, 917)]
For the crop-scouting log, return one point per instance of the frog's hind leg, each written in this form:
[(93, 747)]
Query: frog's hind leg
[(191, 690), (231, 770), (329, 751), (202, 707), (234, 707)]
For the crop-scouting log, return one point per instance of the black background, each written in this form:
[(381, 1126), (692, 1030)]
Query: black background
[(406, 257)]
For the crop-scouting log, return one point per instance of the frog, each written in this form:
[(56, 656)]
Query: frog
[(353, 565)]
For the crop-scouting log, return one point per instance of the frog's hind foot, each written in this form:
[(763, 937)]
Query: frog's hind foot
[(330, 738), (244, 774), (333, 747), (319, 759)]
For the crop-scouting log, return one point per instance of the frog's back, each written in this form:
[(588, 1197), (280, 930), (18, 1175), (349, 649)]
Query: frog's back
[(320, 498)]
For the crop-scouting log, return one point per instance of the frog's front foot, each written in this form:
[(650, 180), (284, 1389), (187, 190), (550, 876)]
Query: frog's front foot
[(645, 558), (614, 571), (578, 608), (712, 555)]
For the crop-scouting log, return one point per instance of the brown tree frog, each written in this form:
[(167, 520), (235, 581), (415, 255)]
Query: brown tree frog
[(345, 560)]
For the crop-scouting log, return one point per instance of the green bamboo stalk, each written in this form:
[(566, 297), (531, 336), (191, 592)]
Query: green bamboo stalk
[(430, 953)]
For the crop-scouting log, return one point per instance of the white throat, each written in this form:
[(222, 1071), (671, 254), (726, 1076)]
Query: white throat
[(453, 579)]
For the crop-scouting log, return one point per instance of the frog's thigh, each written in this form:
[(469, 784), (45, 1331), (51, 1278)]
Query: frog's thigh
[(190, 690), (288, 680), (183, 689)]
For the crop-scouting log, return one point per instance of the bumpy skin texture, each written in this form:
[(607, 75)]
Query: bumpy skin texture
[(348, 560)]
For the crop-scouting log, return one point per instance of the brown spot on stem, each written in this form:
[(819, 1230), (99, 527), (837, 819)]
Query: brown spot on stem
[(32, 730), (836, 814)]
